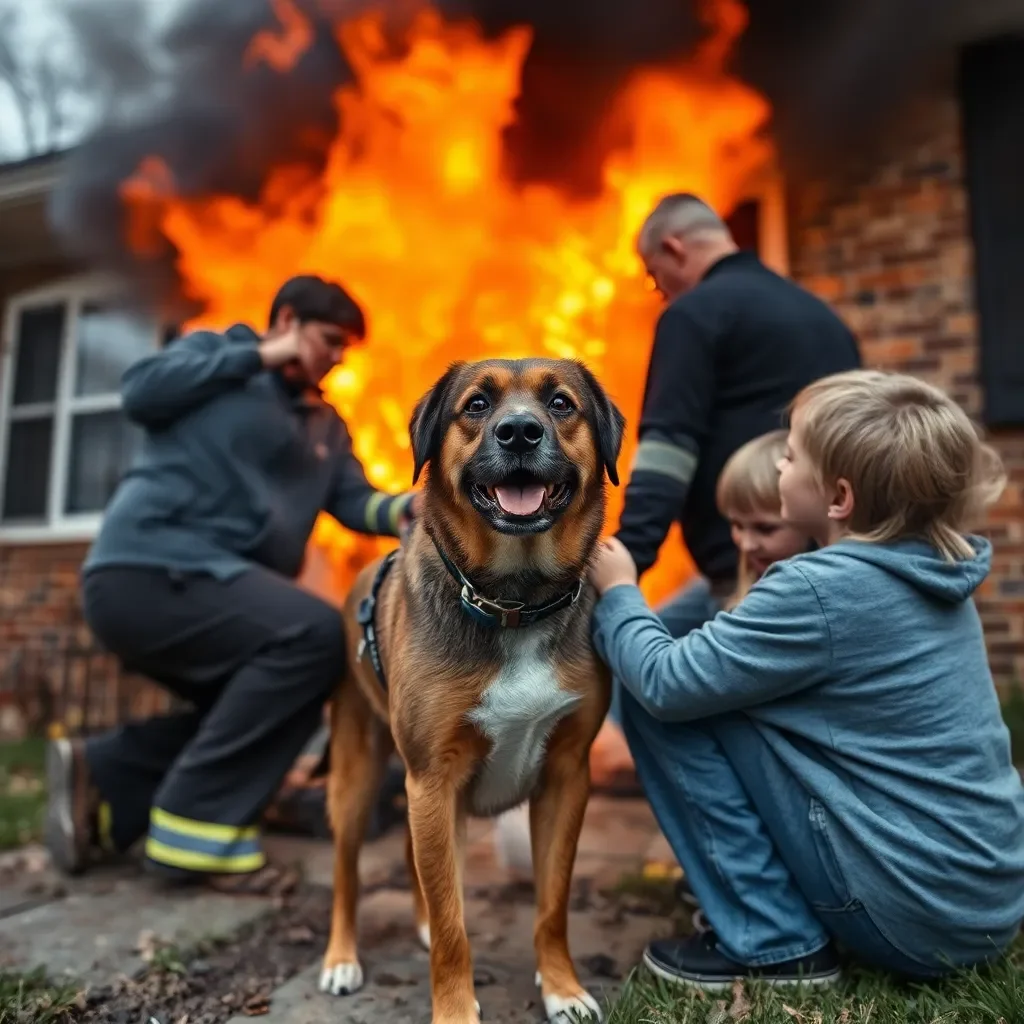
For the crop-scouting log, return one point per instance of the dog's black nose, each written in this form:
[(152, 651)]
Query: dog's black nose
[(519, 432)]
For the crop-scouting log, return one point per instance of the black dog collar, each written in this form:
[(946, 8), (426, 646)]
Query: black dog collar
[(366, 616), (504, 614)]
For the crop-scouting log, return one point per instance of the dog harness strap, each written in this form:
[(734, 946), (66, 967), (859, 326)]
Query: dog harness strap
[(504, 614), (366, 617)]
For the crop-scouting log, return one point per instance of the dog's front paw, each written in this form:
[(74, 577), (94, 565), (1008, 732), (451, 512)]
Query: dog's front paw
[(341, 979), (572, 1009)]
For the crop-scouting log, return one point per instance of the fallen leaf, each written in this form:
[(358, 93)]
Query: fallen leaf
[(795, 1014), (844, 1017), (740, 1008), (719, 1015), (146, 945), (257, 1006), (34, 859), (302, 935)]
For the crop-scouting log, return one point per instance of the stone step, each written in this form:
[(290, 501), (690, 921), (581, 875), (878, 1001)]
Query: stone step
[(102, 927)]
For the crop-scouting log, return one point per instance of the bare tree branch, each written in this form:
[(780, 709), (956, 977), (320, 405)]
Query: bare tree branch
[(12, 74), (49, 91)]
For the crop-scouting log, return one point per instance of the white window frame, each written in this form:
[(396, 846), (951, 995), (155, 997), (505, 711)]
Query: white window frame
[(73, 293)]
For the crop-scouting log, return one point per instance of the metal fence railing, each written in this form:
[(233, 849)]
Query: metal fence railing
[(74, 688)]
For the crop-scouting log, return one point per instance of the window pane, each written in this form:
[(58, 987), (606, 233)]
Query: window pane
[(108, 342), (103, 445), (37, 359), (27, 474)]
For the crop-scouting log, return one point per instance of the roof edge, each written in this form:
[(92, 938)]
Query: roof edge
[(32, 178)]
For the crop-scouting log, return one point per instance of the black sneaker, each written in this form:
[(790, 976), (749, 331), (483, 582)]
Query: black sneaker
[(699, 963)]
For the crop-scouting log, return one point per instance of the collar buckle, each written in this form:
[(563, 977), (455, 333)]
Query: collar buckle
[(508, 613)]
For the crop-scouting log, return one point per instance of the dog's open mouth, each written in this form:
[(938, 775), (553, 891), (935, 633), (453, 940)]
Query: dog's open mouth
[(522, 499)]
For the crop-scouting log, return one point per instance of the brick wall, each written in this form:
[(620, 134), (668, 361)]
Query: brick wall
[(889, 246), (51, 671)]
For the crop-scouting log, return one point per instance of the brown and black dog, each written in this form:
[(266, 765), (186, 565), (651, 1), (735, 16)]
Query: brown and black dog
[(470, 652)]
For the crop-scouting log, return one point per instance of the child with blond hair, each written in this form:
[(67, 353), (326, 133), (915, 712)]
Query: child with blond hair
[(747, 495), (828, 760)]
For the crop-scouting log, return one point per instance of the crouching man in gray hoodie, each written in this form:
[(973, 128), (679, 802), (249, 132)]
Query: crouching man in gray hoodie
[(191, 582)]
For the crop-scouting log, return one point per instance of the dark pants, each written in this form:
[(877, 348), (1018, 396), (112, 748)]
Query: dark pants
[(257, 657)]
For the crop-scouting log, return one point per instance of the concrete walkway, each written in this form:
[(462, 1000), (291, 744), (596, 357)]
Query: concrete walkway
[(106, 925)]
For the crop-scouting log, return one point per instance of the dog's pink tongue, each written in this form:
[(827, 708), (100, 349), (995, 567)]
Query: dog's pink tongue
[(520, 501)]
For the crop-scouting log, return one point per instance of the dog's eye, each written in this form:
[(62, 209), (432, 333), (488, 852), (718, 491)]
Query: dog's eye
[(560, 403), (477, 404)]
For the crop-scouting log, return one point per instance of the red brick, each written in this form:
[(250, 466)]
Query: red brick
[(903, 279)]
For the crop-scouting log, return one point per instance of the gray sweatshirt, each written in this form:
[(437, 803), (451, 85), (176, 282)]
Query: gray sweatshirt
[(235, 466)]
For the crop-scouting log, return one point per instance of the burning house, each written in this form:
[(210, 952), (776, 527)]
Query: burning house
[(475, 173)]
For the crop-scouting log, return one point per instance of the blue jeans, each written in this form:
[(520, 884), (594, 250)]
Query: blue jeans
[(751, 841)]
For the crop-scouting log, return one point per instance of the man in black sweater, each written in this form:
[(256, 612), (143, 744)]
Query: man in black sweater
[(733, 346)]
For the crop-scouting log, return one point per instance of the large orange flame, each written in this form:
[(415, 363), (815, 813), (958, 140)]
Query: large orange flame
[(414, 215)]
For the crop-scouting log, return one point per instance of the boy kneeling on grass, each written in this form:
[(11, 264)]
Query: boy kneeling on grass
[(828, 760)]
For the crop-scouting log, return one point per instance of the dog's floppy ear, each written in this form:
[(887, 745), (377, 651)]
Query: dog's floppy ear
[(426, 428), (609, 423)]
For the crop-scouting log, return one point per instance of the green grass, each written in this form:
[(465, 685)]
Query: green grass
[(864, 997), (31, 999), (22, 791)]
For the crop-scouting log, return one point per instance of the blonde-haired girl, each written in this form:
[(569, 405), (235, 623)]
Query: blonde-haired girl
[(748, 497)]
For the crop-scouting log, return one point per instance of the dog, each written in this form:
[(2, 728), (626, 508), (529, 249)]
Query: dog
[(470, 652)]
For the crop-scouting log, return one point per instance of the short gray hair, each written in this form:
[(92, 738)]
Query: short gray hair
[(681, 213)]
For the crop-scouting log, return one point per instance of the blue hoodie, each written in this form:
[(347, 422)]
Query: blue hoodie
[(864, 667)]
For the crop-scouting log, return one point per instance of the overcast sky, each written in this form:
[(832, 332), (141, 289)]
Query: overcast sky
[(37, 27), (41, 34)]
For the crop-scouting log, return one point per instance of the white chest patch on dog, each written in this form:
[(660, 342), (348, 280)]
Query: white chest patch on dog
[(517, 713)]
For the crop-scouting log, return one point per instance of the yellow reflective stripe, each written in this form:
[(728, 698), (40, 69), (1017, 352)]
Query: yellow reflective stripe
[(372, 507), (104, 824), (397, 510), (202, 829), (193, 860)]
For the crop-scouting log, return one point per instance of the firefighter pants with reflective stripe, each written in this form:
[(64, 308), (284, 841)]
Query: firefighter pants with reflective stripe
[(255, 657)]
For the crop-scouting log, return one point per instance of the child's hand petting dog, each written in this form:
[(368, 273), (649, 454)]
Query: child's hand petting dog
[(613, 565)]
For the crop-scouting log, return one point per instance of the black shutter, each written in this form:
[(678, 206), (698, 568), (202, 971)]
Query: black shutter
[(744, 223), (992, 97)]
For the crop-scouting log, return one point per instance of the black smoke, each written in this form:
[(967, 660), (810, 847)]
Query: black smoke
[(836, 71)]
